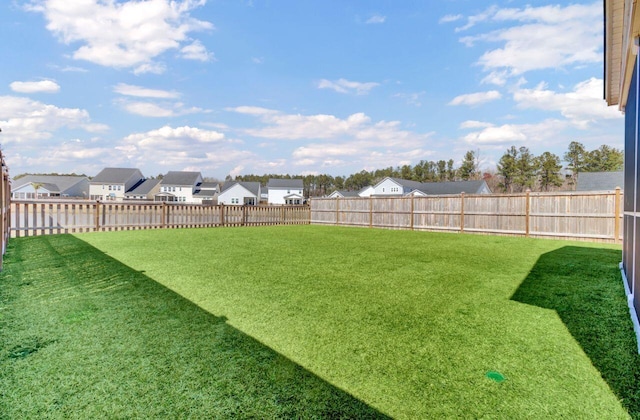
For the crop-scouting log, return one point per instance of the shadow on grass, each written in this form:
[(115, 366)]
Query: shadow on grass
[(584, 286), (121, 345)]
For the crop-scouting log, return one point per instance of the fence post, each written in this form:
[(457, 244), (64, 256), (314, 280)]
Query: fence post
[(244, 215), (370, 211), (222, 215), (97, 216), (527, 213), (462, 212), (411, 213), (163, 219), (337, 211), (616, 220)]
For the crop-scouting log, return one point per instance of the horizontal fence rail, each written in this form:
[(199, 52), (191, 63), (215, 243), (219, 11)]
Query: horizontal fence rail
[(46, 217), (589, 216)]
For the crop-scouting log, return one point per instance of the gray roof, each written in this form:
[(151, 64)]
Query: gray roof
[(253, 187), (452, 187), (181, 178), (346, 193), (442, 188), (599, 181), (115, 175), (52, 183), (411, 185), (144, 187), (285, 183), (209, 186)]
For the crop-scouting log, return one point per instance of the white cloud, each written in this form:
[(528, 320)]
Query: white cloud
[(182, 147), (582, 106), (450, 18), (376, 19), (26, 120), (153, 68), (174, 136), (475, 19), (347, 86), (514, 134), (138, 91), (147, 109), (544, 37), (42, 86), (476, 98), (150, 109), (129, 34), (411, 98), (196, 51), (475, 124), (252, 110), (498, 78)]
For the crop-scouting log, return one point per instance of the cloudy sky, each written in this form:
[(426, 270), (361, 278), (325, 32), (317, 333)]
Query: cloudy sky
[(300, 87)]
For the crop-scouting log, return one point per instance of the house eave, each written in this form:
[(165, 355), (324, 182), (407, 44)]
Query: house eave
[(622, 27)]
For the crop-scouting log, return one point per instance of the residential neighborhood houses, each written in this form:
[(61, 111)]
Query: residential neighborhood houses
[(33, 186), (390, 187), (128, 184)]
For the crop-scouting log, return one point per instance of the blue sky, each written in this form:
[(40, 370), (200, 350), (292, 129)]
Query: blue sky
[(299, 87)]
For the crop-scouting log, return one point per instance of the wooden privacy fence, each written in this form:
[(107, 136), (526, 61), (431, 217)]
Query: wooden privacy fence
[(45, 217), (568, 215)]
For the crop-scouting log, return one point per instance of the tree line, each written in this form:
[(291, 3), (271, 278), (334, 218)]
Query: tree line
[(517, 170)]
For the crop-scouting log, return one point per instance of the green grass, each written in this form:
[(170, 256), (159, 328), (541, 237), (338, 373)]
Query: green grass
[(310, 321)]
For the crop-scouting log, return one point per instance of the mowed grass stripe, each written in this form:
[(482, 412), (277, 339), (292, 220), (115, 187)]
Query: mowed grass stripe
[(412, 322), (134, 349)]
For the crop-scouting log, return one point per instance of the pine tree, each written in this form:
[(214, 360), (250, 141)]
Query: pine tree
[(507, 168), (549, 168)]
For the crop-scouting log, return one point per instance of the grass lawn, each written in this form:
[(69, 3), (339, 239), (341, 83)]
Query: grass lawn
[(313, 321)]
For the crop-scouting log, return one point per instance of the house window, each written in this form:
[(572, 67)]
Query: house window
[(394, 189), (288, 191), (383, 189), (235, 201), (109, 187)]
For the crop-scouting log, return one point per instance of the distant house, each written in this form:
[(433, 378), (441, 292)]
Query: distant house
[(113, 183), (179, 186), (364, 192), (239, 193), (24, 188), (343, 194), (285, 191), (146, 190), (207, 192), (599, 181), (400, 187)]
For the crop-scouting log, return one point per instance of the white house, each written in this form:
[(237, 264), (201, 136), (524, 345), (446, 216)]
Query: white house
[(285, 191), (113, 183), (179, 186), (366, 191), (395, 187), (400, 187), (49, 186), (239, 193)]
